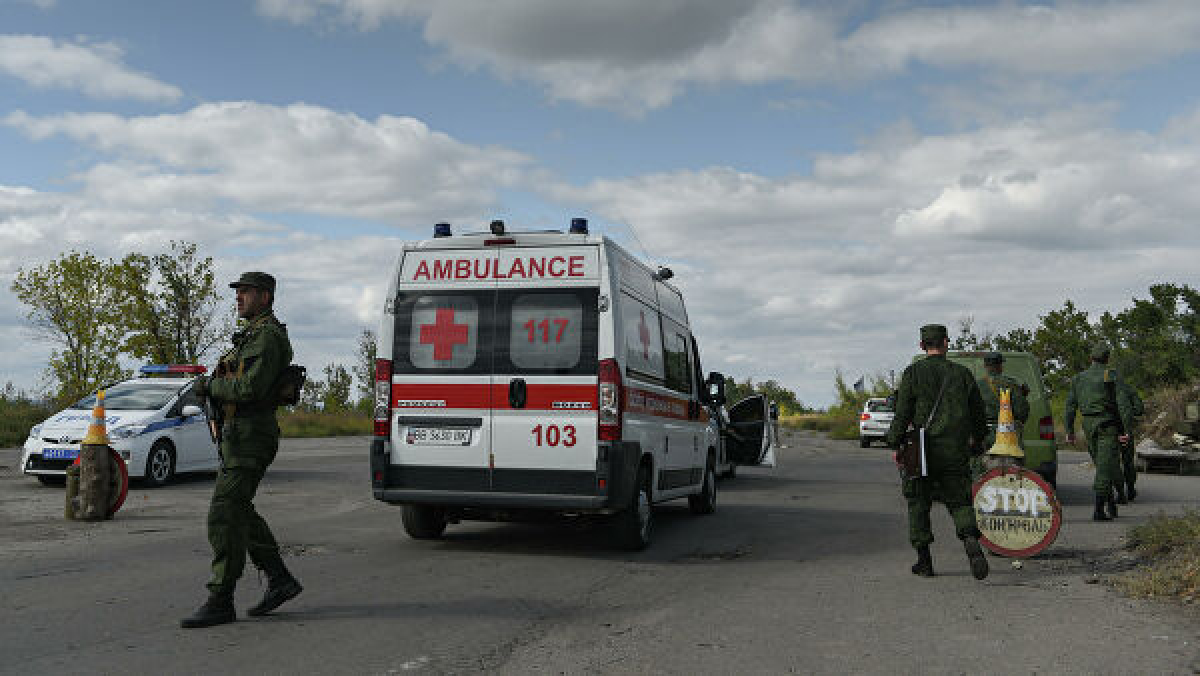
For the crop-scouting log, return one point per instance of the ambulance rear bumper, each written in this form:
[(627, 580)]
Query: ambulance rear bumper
[(608, 488)]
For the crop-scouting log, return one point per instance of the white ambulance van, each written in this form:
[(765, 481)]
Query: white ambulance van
[(528, 374)]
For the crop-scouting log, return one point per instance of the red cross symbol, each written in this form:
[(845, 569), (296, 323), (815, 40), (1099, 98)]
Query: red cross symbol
[(444, 334), (644, 334)]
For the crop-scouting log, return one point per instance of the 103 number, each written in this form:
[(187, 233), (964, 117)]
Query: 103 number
[(553, 435)]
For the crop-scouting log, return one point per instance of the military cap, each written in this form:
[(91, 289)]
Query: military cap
[(1101, 350), (934, 333), (993, 358), (259, 280)]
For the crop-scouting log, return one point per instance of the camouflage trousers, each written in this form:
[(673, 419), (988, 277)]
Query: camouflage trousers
[(1106, 456), (952, 490), (235, 529)]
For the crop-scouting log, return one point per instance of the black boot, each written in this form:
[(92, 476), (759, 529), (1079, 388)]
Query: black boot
[(979, 564), (281, 588), (924, 564), (1121, 499), (218, 609), (1099, 514), (1132, 493)]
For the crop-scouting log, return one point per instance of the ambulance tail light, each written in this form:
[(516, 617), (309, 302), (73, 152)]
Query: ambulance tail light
[(383, 397), (865, 416), (1046, 428), (612, 400)]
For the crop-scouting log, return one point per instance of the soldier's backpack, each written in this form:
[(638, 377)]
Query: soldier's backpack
[(290, 384)]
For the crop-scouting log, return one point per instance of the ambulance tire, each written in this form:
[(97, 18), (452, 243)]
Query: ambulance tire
[(730, 473), (423, 522), (633, 525), (705, 502)]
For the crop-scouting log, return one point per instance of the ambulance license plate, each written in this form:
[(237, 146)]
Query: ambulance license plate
[(60, 453), (438, 436)]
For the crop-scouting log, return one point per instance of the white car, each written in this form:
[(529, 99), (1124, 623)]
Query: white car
[(156, 424), (875, 420)]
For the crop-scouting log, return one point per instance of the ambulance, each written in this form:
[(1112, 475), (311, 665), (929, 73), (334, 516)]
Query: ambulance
[(522, 375)]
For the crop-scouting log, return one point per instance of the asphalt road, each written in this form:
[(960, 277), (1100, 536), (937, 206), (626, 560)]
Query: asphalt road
[(803, 569)]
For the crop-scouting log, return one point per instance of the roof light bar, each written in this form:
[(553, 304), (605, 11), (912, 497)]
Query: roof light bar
[(173, 368), (579, 226), (441, 230)]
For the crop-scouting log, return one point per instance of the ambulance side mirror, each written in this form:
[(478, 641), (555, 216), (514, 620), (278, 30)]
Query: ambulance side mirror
[(716, 388), (191, 410)]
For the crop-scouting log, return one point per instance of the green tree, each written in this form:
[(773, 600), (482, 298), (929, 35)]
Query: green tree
[(364, 367), (966, 339), (1062, 342), (335, 395), (771, 389), (74, 304), (1156, 339), (171, 304)]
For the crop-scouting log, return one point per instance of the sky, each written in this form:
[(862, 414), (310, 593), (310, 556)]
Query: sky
[(823, 177)]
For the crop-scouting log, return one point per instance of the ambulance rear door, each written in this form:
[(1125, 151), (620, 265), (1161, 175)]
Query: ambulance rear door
[(442, 369), (746, 438), (544, 395)]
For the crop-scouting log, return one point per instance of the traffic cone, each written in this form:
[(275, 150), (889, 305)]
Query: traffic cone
[(94, 468), (97, 433), (1007, 443)]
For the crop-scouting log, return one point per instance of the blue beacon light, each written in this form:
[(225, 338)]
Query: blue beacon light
[(441, 230), (579, 226)]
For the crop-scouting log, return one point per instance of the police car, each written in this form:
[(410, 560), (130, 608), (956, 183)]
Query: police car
[(154, 422), (526, 373)]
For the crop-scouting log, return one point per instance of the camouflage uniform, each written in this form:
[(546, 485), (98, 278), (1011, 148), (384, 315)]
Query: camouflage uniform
[(959, 422), (1094, 394), (244, 386), (1128, 466)]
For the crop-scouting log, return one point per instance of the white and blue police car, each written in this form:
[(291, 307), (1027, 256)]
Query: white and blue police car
[(155, 423)]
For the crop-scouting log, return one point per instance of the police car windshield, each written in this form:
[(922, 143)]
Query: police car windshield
[(135, 396)]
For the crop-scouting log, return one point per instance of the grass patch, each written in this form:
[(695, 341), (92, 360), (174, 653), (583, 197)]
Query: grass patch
[(1170, 547), (307, 424), (16, 417), (836, 426)]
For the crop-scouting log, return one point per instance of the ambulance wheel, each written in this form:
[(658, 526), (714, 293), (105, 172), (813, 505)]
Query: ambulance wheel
[(730, 473), (160, 464), (633, 525), (422, 522), (705, 502), (49, 480)]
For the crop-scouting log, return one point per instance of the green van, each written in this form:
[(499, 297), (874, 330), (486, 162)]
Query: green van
[(1041, 449)]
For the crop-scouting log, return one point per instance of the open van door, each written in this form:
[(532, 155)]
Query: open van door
[(746, 438)]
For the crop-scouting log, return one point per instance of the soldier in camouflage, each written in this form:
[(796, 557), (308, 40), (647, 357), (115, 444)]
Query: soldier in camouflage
[(1107, 415), (245, 386), (953, 434), (990, 385)]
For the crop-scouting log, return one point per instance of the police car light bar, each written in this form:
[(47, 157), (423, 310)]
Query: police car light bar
[(173, 368)]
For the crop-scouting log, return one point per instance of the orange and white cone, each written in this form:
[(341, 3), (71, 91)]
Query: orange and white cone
[(1007, 443), (97, 432)]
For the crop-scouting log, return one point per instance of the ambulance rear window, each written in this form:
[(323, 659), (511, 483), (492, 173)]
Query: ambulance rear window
[(442, 332), (546, 331)]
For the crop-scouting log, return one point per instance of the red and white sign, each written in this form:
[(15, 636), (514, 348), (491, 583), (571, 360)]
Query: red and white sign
[(509, 264), (1017, 512)]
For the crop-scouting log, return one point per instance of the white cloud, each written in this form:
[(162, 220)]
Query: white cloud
[(786, 278), (299, 158), (95, 69), (633, 55)]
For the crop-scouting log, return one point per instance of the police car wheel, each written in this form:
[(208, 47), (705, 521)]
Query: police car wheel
[(422, 522), (50, 480), (705, 502), (864, 442), (633, 525), (160, 464)]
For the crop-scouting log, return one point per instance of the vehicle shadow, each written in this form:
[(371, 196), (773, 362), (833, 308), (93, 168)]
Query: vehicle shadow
[(521, 607)]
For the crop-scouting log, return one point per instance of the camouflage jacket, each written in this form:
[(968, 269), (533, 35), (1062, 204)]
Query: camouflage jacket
[(989, 388), (960, 415), (245, 385), (1101, 396)]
